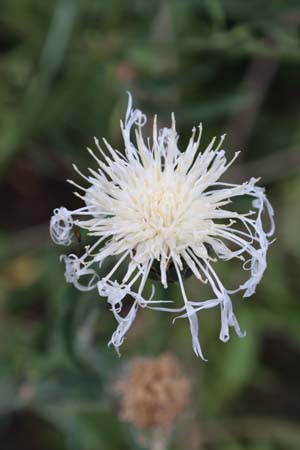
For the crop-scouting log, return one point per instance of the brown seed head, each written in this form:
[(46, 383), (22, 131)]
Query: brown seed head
[(153, 392)]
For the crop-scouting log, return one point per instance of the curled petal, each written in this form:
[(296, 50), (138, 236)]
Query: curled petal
[(228, 319), (61, 224), (75, 270), (116, 293)]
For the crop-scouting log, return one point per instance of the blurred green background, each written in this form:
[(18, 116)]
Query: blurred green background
[(64, 68)]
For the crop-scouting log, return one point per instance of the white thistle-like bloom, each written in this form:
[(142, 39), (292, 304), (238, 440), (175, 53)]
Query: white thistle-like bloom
[(155, 206)]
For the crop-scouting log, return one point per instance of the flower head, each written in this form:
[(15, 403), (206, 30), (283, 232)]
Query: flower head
[(155, 206)]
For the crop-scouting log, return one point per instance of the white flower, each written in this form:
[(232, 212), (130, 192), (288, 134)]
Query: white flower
[(155, 206)]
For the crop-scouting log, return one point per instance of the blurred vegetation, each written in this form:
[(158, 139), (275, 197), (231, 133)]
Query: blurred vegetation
[(64, 68)]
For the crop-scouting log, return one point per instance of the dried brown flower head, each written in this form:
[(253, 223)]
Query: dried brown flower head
[(153, 392)]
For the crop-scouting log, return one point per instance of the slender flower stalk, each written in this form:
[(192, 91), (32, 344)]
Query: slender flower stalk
[(156, 206)]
